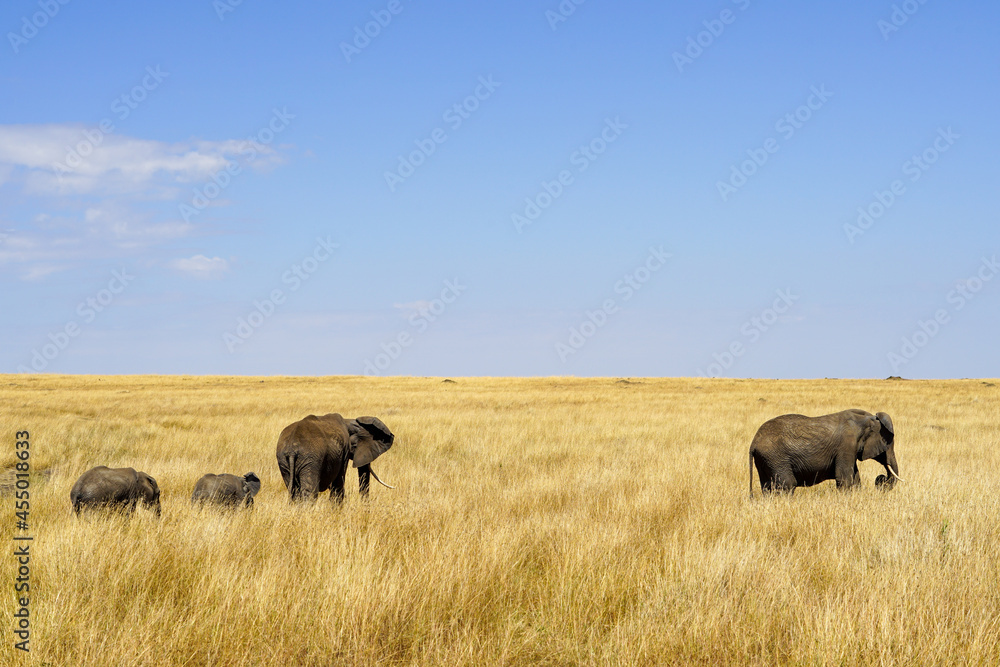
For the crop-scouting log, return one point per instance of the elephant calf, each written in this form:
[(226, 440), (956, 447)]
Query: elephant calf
[(226, 490), (115, 488), (795, 450)]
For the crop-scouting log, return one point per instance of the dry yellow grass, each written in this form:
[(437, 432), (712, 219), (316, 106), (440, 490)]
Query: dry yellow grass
[(536, 521)]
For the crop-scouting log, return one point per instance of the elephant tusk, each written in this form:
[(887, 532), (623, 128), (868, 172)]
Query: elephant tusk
[(381, 482), (891, 472)]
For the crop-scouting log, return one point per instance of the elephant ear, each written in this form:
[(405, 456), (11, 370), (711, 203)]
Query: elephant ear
[(251, 484), (886, 421), (152, 483), (873, 442), (370, 438)]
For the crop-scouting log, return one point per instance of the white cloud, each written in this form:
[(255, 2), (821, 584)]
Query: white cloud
[(79, 159), (97, 196), (201, 267), (37, 271)]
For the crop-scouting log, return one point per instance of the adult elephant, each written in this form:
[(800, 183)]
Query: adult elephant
[(313, 454), (226, 490), (115, 488), (795, 450)]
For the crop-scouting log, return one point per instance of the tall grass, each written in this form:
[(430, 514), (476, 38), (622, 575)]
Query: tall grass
[(536, 521)]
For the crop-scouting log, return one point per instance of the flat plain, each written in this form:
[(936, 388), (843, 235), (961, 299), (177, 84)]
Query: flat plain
[(552, 521)]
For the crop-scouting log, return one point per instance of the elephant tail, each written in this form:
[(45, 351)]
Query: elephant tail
[(751, 474), (293, 479)]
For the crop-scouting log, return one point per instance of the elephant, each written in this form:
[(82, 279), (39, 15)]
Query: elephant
[(226, 490), (314, 451), (795, 450), (115, 488)]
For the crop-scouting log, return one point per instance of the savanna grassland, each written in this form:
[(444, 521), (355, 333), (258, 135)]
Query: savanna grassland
[(535, 521)]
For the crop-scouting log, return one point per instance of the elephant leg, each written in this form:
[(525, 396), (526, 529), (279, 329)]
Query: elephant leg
[(308, 486), (337, 487), (783, 481), (364, 476), (337, 494), (775, 478), (847, 474), (285, 476)]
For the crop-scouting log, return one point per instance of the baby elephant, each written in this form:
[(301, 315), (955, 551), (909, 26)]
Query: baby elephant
[(227, 490), (114, 488)]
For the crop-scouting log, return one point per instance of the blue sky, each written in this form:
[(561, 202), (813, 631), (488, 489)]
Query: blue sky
[(516, 188)]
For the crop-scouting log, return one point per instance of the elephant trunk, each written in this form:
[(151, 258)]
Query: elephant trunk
[(888, 461)]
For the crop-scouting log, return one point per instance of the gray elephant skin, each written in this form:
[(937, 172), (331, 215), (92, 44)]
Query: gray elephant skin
[(795, 450), (226, 490), (314, 452), (115, 488)]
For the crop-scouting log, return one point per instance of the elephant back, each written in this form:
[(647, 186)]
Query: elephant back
[(312, 434)]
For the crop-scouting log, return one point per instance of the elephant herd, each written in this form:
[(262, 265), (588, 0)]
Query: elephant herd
[(313, 455)]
